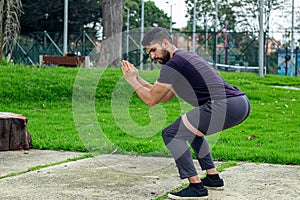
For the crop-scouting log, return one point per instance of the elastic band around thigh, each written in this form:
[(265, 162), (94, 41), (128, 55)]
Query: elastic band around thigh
[(190, 127)]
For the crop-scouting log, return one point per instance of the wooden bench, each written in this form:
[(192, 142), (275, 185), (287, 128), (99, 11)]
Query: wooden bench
[(67, 61)]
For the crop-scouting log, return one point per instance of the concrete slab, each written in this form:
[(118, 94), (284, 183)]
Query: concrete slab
[(128, 177), (249, 181), (18, 161), (103, 177)]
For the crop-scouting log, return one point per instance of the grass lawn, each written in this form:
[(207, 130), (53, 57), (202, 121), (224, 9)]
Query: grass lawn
[(114, 114)]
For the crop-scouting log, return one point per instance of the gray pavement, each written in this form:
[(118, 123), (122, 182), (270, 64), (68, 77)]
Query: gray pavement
[(129, 177)]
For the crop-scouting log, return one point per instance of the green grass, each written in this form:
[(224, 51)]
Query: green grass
[(44, 95)]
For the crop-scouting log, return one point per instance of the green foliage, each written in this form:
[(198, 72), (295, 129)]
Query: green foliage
[(44, 95), (208, 9), (42, 15), (9, 26), (153, 16), (4, 61), (241, 15), (39, 16)]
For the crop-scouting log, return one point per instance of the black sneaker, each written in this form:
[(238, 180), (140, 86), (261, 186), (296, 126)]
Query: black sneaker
[(210, 183), (190, 193)]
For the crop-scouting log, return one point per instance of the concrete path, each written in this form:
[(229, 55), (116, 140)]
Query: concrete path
[(128, 177)]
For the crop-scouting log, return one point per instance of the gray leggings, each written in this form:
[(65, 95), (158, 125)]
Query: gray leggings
[(209, 118)]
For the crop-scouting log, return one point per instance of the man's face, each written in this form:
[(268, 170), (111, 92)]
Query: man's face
[(158, 53)]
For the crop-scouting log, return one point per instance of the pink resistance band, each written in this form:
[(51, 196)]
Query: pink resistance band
[(189, 126)]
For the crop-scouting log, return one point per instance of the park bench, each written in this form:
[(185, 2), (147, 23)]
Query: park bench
[(67, 61)]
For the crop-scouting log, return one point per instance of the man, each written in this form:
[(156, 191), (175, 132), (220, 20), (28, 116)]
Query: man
[(218, 106)]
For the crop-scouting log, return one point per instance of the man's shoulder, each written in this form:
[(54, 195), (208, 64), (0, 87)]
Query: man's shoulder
[(179, 56), (185, 55), (182, 52)]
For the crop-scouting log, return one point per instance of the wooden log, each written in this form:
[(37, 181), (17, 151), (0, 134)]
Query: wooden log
[(13, 132)]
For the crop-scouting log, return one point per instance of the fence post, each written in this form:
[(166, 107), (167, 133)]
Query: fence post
[(84, 43), (296, 64), (287, 58), (215, 49), (45, 42), (261, 38)]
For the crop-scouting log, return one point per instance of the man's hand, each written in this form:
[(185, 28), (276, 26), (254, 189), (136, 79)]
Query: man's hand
[(129, 71), (150, 94)]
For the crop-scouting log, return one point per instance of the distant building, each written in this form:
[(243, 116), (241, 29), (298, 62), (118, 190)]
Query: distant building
[(286, 65), (272, 46)]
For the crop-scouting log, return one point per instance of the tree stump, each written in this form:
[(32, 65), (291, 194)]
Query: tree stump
[(13, 132)]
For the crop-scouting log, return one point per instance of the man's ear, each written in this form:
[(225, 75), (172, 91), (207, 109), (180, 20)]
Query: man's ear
[(165, 43)]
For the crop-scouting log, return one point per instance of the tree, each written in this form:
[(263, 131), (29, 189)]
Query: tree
[(242, 15), (47, 15), (112, 31), (243, 20), (9, 25), (206, 14), (248, 12), (41, 15), (153, 15)]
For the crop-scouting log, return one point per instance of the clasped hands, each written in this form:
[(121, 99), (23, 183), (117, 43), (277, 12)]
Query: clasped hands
[(129, 71)]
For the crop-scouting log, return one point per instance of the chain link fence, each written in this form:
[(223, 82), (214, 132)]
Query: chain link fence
[(31, 45), (225, 50)]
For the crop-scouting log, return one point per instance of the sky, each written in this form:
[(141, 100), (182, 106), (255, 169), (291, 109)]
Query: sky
[(277, 22), (178, 11)]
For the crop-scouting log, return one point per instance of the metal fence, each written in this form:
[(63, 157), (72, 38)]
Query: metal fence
[(31, 45), (227, 51)]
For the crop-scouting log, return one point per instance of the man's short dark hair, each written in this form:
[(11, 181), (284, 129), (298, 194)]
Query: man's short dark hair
[(156, 35)]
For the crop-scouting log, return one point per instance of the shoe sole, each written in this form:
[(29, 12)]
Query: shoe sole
[(214, 188), (171, 196)]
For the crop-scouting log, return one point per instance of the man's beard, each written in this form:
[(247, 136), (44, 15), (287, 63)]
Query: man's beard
[(164, 59)]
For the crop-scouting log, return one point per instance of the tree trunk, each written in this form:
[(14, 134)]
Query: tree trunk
[(1, 28), (112, 12), (13, 132)]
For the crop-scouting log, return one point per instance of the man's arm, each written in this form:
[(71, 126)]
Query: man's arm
[(151, 95), (144, 83), (166, 98), (170, 95)]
